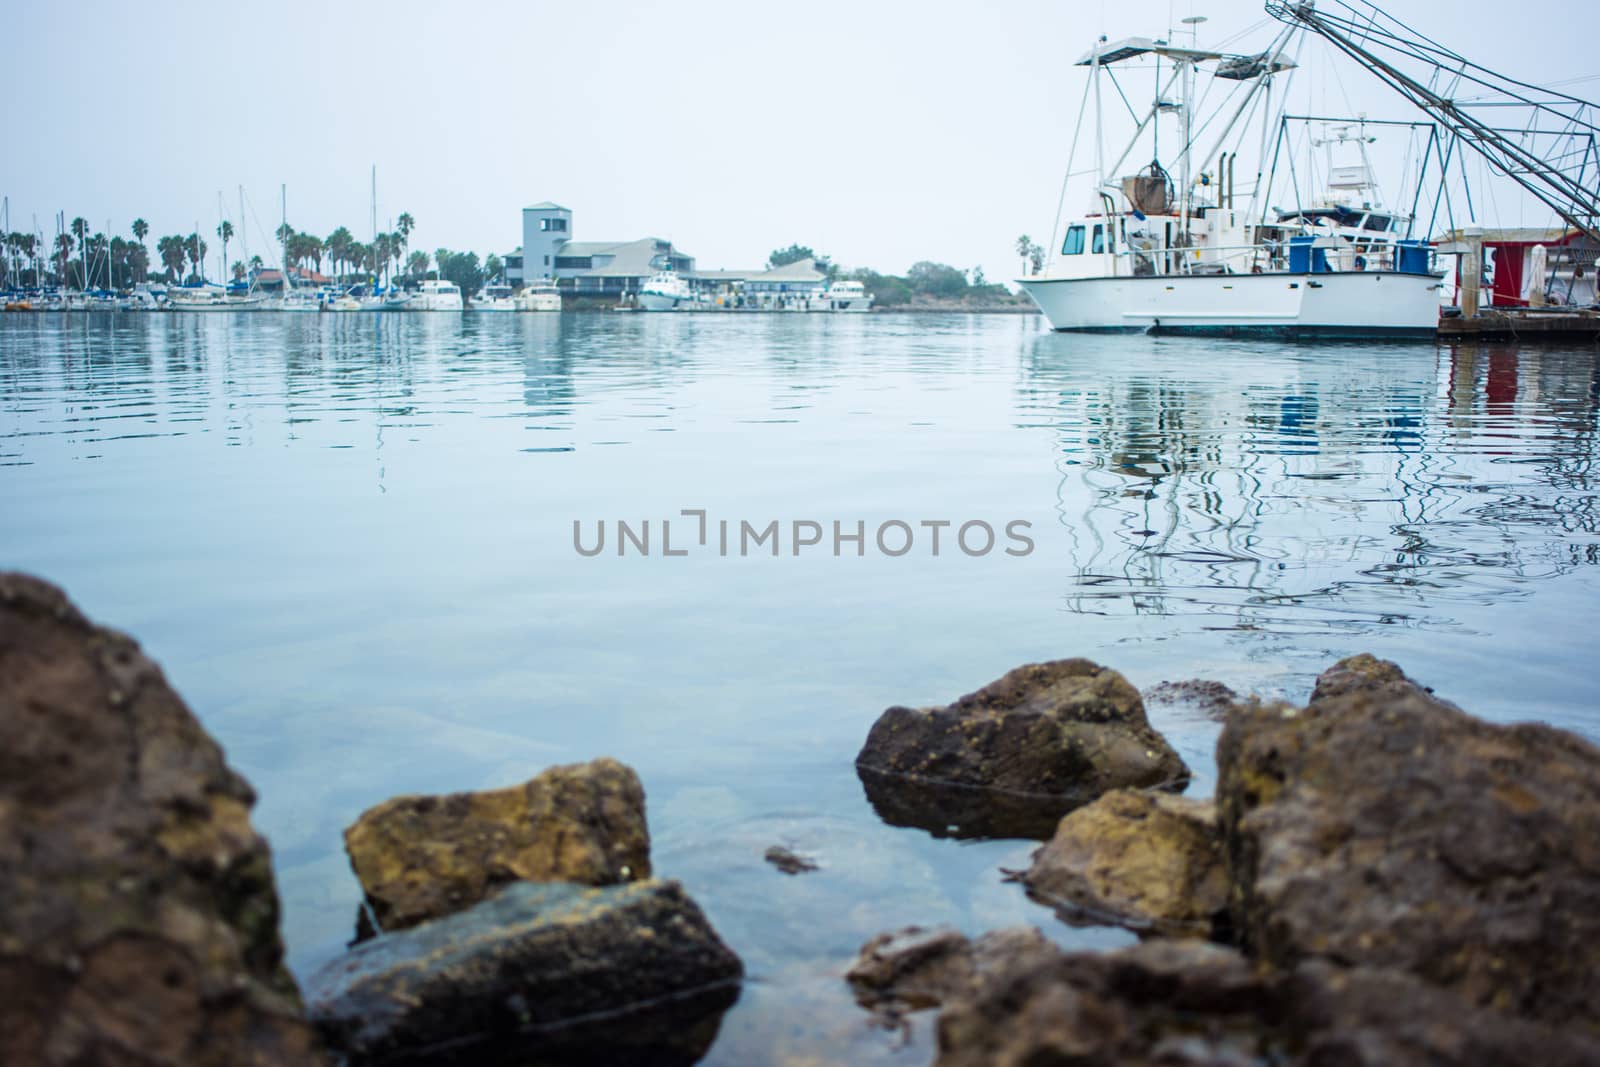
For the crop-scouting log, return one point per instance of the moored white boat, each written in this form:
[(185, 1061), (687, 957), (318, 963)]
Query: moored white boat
[(495, 297), (666, 291), (437, 295), (539, 296), (212, 298), (1183, 256), (844, 295)]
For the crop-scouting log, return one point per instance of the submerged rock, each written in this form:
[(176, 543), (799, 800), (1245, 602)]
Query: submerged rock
[(1193, 1004), (423, 857), (917, 968), (1380, 826), (138, 915), (1212, 699), (1148, 861), (788, 861), (1013, 757), (541, 973)]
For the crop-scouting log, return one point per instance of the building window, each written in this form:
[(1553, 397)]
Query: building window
[(553, 225), (574, 262), (547, 261), (1073, 245)]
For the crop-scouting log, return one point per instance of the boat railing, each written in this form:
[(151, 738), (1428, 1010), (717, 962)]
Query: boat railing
[(1266, 257)]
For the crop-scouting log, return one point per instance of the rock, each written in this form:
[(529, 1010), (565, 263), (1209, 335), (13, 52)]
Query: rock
[(540, 973), (1193, 1004), (1211, 699), (1148, 861), (139, 922), (423, 857), (1382, 827), (917, 968), (787, 861), (1362, 672), (1012, 758)]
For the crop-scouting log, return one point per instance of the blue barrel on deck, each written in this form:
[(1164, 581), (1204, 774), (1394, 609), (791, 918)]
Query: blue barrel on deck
[(1305, 257), (1411, 257)]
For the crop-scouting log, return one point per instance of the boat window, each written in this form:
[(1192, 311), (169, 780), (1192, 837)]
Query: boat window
[(1377, 222), (1099, 242), (1073, 245)]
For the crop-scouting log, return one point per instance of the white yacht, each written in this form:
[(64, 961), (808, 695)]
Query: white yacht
[(666, 291), (438, 296), (539, 296), (496, 297), (1185, 255), (844, 295)]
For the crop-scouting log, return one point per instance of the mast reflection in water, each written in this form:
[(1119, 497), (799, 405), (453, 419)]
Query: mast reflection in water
[(1322, 488)]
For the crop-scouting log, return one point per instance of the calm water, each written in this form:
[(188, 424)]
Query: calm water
[(349, 541)]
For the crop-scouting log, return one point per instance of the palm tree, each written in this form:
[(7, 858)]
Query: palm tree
[(195, 249), (63, 253), (140, 228), (340, 244), (238, 269), (402, 232), (1025, 250), (171, 250), (225, 231), (417, 264), (80, 230)]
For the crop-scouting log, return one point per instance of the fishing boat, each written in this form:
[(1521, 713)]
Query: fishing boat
[(666, 291), (539, 296), (1181, 254)]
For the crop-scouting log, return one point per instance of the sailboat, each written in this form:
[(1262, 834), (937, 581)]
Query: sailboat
[(1180, 254)]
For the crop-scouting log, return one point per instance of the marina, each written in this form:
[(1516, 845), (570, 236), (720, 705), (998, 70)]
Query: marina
[(754, 610)]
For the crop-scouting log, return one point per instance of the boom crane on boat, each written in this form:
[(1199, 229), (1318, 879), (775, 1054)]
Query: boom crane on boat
[(1553, 154)]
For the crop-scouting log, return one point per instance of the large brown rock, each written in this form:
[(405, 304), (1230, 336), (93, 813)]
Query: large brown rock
[(1192, 1004), (138, 915), (539, 974), (1148, 861), (423, 857), (1382, 827), (1013, 757)]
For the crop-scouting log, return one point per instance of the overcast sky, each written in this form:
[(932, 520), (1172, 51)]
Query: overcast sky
[(878, 132)]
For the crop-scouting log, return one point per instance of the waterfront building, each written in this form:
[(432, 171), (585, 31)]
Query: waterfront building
[(587, 268)]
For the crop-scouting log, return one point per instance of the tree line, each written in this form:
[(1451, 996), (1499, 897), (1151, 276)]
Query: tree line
[(923, 282), (79, 259)]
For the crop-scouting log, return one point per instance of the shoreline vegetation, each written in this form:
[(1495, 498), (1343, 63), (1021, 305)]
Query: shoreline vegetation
[(1380, 879), (79, 260)]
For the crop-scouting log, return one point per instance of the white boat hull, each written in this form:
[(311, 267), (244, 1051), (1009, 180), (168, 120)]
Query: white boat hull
[(540, 302), (661, 302), (254, 303), (436, 302), (1347, 304), (855, 306)]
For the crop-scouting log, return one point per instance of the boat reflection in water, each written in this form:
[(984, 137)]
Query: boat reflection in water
[(1324, 490)]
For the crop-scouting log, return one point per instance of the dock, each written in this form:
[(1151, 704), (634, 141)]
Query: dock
[(1523, 324)]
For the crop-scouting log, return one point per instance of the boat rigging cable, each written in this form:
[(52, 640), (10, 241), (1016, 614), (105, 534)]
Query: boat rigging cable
[(1554, 154)]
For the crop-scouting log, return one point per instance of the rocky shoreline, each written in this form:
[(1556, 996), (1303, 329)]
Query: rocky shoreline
[(1381, 878)]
